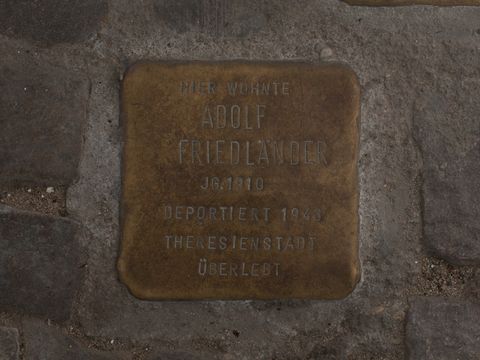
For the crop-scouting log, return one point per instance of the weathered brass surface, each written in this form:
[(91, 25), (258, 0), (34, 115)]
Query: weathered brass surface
[(413, 2), (240, 181)]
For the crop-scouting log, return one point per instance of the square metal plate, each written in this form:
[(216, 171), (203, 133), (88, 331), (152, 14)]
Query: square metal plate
[(240, 181)]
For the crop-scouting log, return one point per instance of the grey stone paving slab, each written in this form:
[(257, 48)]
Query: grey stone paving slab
[(226, 18), (418, 68), (447, 129), (41, 264), (9, 345), (43, 342), (49, 22), (443, 329), (42, 116), (174, 356)]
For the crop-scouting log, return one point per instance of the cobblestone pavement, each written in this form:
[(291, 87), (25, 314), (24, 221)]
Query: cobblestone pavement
[(60, 142)]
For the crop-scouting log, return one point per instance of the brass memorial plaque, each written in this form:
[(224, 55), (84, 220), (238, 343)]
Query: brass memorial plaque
[(240, 181)]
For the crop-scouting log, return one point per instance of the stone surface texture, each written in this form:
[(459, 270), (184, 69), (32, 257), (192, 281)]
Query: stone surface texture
[(443, 329), (173, 356), (49, 22), (9, 344), (43, 111), (413, 2), (44, 342), (40, 264), (419, 77)]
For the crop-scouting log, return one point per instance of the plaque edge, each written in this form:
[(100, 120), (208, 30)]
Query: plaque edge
[(135, 289)]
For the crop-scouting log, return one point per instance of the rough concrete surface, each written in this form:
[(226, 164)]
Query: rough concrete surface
[(46, 200), (44, 342), (9, 344), (419, 76), (443, 329), (413, 2), (49, 22)]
